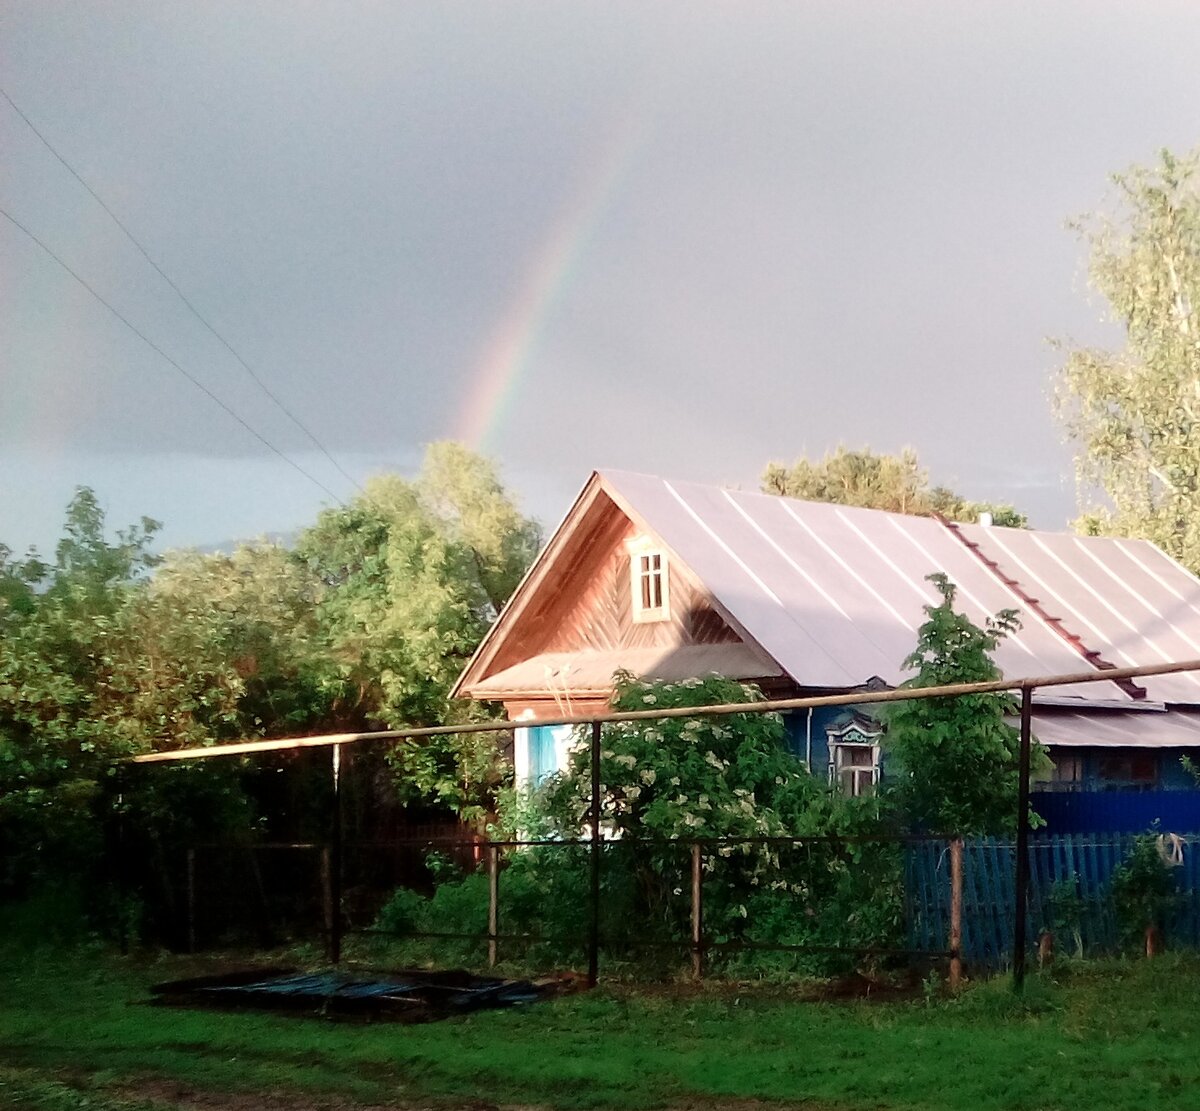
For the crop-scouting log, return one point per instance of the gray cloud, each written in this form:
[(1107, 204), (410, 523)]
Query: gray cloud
[(845, 223)]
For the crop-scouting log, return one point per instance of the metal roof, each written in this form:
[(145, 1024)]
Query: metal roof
[(835, 594), (1125, 598), (1100, 729)]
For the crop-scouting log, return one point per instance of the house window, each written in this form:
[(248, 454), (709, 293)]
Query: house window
[(1136, 771), (854, 753), (648, 584), (854, 768), (1066, 772)]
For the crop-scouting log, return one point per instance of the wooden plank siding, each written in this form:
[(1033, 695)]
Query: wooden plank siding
[(570, 625), (587, 603)]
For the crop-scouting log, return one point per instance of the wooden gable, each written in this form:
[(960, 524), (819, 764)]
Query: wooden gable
[(588, 603), (577, 601)]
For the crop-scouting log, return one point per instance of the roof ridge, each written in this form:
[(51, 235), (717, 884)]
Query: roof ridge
[(1056, 624)]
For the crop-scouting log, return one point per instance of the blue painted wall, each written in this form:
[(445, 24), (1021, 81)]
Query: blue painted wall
[(1167, 799), (1117, 811), (543, 760), (822, 716), (1170, 770)]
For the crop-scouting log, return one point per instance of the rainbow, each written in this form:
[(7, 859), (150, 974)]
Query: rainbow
[(546, 277)]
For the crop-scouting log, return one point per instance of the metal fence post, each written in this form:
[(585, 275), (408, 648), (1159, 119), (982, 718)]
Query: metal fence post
[(593, 972), (956, 890), (335, 862), (697, 912), (1021, 884)]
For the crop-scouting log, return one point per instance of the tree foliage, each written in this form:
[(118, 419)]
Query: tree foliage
[(953, 762), (897, 483), (726, 777), (1133, 413), (414, 572), (110, 650), (63, 713)]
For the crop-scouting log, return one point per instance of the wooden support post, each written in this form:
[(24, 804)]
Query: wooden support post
[(593, 973), (697, 913), (327, 900), (1021, 881), (191, 900), (335, 862), (956, 893), (493, 855)]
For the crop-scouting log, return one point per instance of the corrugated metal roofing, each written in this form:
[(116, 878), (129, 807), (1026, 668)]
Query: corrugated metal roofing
[(835, 594), (1124, 598), (1174, 729)]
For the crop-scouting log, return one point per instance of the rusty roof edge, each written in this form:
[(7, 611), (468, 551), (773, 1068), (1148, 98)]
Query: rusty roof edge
[(1055, 624)]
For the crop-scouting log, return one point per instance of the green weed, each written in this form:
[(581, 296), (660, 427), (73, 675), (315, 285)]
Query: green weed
[(1117, 1034)]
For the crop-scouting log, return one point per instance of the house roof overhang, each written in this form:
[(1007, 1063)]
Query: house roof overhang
[(1116, 728), (561, 675)]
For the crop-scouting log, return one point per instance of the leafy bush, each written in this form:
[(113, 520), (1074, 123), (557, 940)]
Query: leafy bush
[(1063, 910), (666, 783), (1144, 892)]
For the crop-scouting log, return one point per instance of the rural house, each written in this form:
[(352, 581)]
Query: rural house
[(671, 580)]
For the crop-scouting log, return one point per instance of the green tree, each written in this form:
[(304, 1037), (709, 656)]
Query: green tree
[(413, 575), (218, 646), (897, 483), (61, 710), (1132, 413), (953, 762)]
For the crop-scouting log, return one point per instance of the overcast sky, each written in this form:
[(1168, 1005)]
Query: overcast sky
[(683, 239)]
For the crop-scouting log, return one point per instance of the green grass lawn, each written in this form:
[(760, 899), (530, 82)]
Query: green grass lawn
[(76, 1032)]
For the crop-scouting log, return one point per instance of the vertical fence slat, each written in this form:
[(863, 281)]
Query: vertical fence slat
[(593, 941), (191, 900)]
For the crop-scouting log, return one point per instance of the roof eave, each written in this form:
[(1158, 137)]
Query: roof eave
[(520, 597)]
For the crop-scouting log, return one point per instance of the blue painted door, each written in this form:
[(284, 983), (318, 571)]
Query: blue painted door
[(543, 760)]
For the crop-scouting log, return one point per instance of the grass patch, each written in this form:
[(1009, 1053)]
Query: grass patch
[(1116, 1034), (34, 1092)]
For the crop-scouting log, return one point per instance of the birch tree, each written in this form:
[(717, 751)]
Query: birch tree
[(1132, 413)]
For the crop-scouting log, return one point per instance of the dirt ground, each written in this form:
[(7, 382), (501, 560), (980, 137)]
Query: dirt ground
[(179, 1098)]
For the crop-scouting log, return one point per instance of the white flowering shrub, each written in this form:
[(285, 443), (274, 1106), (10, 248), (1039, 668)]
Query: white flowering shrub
[(714, 779), (725, 782)]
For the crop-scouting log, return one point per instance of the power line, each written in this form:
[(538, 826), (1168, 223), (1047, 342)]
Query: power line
[(181, 295), (154, 346)]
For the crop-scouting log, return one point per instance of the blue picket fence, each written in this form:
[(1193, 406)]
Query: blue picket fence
[(1082, 863)]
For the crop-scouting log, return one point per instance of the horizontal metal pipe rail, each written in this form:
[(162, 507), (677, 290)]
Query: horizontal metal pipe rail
[(778, 705)]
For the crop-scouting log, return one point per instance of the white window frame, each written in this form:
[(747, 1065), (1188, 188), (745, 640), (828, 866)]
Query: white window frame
[(858, 772), (642, 570)]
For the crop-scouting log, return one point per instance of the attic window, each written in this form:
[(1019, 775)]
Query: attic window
[(648, 586)]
